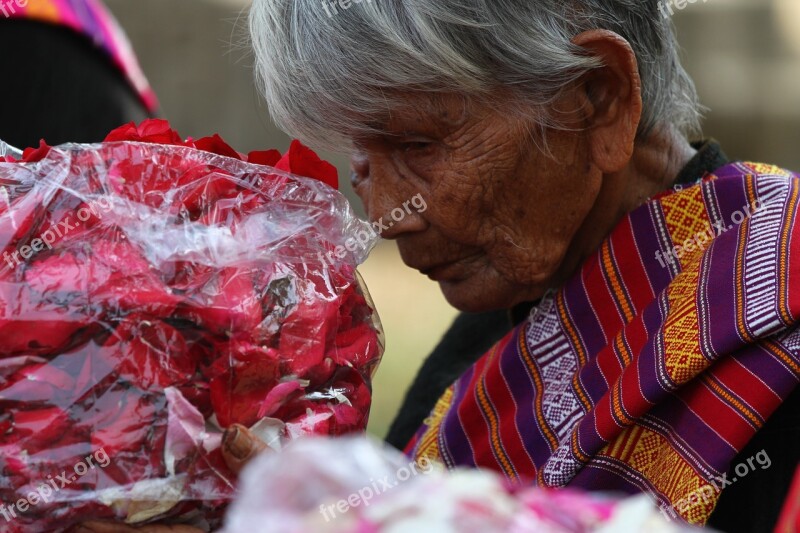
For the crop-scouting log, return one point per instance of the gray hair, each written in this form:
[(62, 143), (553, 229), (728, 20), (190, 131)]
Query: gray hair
[(329, 74)]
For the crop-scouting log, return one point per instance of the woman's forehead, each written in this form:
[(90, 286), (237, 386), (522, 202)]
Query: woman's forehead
[(414, 110)]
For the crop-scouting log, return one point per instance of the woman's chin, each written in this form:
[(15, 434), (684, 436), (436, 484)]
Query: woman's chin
[(477, 294)]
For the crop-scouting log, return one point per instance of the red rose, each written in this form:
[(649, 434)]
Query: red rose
[(240, 379), (216, 145), (32, 324), (149, 353), (299, 159), (152, 130), (267, 158), (226, 302), (302, 161)]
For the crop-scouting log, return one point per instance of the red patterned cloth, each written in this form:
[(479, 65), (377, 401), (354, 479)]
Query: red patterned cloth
[(656, 363)]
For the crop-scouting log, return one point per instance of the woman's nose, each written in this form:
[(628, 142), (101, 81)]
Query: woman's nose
[(359, 162)]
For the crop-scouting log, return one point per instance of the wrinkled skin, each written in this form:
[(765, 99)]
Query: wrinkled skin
[(505, 221)]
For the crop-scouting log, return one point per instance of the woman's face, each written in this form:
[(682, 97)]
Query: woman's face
[(501, 215)]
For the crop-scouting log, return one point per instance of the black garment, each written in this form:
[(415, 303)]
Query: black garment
[(471, 335), (57, 86), (753, 503)]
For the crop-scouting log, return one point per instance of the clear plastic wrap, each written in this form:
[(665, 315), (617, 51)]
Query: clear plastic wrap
[(152, 295), (7, 149)]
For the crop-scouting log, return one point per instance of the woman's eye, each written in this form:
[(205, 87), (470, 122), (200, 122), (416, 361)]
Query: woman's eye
[(355, 179), (416, 146)]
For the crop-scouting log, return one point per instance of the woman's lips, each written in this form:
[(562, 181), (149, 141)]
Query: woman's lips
[(449, 271)]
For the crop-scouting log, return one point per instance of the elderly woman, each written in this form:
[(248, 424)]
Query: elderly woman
[(654, 287)]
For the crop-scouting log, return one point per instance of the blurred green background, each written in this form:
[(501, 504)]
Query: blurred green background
[(743, 54)]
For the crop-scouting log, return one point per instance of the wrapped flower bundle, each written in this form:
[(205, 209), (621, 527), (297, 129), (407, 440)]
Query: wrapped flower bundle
[(154, 291), (367, 487)]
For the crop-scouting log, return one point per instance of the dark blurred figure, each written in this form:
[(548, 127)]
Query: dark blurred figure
[(69, 73)]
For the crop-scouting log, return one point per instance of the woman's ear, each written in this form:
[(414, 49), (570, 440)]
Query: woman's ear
[(614, 97)]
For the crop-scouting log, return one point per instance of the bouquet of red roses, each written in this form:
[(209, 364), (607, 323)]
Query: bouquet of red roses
[(154, 291)]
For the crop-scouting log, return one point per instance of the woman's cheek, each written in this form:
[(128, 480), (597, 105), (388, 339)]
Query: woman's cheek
[(530, 259)]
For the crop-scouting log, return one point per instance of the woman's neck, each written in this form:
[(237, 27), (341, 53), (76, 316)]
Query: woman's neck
[(654, 166)]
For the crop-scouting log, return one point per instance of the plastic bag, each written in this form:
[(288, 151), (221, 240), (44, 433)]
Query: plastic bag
[(360, 486), (7, 149), (150, 296)]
